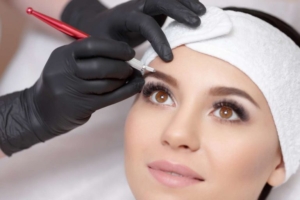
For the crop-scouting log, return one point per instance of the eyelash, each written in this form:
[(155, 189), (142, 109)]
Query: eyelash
[(152, 87), (243, 115), (236, 107)]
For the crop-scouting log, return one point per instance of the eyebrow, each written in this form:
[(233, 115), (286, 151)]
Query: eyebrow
[(162, 76), (223, 91), (215, 91)]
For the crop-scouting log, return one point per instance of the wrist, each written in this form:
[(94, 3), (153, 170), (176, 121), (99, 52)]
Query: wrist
[(78, 11), (19, 127), (37, 126)]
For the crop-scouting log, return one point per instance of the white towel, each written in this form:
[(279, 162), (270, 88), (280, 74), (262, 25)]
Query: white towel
[(269, 57)]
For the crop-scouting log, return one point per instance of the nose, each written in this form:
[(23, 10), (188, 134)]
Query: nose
[(182, 133)]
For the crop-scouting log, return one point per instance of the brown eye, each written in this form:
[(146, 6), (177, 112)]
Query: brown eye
[(161, 96), (229, 111), (225, 112)]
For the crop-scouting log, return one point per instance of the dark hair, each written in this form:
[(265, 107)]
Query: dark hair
[(290, 32)]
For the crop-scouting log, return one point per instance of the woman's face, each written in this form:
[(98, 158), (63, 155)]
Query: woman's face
[(200, 129)]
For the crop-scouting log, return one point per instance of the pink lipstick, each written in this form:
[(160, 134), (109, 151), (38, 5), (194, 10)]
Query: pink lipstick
[(173, 175)]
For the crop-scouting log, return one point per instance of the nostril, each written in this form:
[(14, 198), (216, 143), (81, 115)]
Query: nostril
[(185, 146)]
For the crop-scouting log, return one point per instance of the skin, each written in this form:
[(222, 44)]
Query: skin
[(235, 159)]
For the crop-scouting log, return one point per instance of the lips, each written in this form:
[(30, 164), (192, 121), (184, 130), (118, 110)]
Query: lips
[(174, 175)]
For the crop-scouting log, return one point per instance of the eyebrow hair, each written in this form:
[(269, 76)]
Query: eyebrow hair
[(162, 76), (215, 91), (223, 91)]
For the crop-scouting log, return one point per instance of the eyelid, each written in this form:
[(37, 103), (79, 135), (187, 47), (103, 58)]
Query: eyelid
[(151, 87), (215, 113), (239, 109), (163, 77)]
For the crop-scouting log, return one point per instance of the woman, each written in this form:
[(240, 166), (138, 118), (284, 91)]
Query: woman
[(220, 121)]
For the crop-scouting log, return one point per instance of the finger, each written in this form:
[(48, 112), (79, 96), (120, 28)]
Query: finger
[(131, 88), (160, 19), (102, 68), (173, 9), (194, 5), (95, 47), (149, 28), (98, 86)]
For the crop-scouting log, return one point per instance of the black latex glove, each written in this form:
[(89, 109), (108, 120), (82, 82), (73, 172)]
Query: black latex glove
[(77, 80), (133, 21)]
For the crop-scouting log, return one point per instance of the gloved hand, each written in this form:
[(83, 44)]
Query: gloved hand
[(134, 20), (77, 80)]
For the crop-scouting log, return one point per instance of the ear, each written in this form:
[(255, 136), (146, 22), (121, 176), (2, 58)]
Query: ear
[(277, 177)]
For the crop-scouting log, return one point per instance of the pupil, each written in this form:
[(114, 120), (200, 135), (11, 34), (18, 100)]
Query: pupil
[(161, 96), (226, 112)]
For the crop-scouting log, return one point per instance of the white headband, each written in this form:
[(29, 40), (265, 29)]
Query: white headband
[(265, 54)]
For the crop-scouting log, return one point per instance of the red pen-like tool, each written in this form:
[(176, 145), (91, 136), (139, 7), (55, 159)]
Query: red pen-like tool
[(59, 25), (77, 34)]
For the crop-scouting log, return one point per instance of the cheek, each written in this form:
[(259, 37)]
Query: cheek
[(142, 142), (138, 127), (144, 126), (244, 157), (134, 132), (140, 132)]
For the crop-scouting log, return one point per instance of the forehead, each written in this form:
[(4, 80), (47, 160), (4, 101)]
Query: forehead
[(200, 68)]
